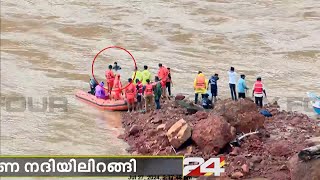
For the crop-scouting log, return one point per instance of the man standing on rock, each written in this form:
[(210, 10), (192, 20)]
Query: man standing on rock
[(148, 96), (163, 76), (145, 75), (138, 75), (200, 86), (214, 87), (242, 86), (232, 83), (257, 93), (157, 92)]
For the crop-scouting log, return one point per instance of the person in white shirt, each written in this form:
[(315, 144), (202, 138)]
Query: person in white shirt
[(232, 83), (258, 91)]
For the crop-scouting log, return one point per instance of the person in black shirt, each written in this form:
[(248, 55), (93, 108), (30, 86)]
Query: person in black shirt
[(116, 67), (169, 82), (93, 85), (206, 103)]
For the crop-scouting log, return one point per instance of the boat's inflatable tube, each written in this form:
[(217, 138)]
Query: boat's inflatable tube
[(316, 107), (112, 105)]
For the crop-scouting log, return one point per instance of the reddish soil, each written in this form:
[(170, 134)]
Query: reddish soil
[(264, 155)]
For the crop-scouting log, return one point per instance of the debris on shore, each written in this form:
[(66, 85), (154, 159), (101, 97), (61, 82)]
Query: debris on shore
[(267, 150)]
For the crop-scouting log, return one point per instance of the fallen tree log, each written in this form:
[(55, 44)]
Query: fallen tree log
[(310, 153)]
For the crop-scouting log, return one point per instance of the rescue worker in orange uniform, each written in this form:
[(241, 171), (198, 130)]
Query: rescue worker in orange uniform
[(130, 92), (163, 76), (148, 96), (110, 78), (200, 86), (116, 89), (257, 93), (139, 87)]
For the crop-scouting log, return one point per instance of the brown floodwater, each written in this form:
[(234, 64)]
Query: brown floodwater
[(47, 47)]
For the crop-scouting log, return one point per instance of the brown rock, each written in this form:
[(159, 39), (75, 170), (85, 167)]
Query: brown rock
[(242, 114), (212, 134), (256, 159), (179, 97), (237, 175), (156, 120), (179, 133), (161, 127), (201, 115), (134, 130), (235, 151), (245, 168), (301, 170), (280, 148), (249, 121)]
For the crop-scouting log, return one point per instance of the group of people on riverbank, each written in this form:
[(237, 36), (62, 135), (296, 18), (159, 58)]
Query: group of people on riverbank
[(202, 85), (143, 94), (140, 92)]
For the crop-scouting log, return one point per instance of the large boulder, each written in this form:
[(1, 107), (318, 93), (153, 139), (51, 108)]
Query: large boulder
[(304, 170), (179, 133), (242, 114), (212, 134)]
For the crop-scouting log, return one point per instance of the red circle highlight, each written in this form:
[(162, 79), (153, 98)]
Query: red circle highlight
[(113, 47)]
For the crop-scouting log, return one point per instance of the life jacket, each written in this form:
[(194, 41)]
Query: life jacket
[(139, 88), (201, 82), (116, 84), (148, 90), (145, 75), (258, 87), (109, 76), (130, 91), (163, 73)]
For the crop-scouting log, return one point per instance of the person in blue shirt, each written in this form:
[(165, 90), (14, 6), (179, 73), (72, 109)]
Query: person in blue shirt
[(242, 86), (214, 87)]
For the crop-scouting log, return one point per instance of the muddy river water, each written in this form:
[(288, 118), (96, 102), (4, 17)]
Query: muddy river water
[(47, 47)]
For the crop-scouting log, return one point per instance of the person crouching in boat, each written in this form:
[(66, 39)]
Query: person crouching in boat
[(93, 85), (100, 92), (116, 89), (131, 91)]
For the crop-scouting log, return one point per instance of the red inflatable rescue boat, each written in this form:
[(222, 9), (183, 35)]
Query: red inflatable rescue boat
[(112, 105)]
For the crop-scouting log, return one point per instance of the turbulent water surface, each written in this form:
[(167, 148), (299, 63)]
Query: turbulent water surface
[(47, 47)]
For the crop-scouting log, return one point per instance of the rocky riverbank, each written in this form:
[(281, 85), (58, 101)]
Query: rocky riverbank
[(184, 129)]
